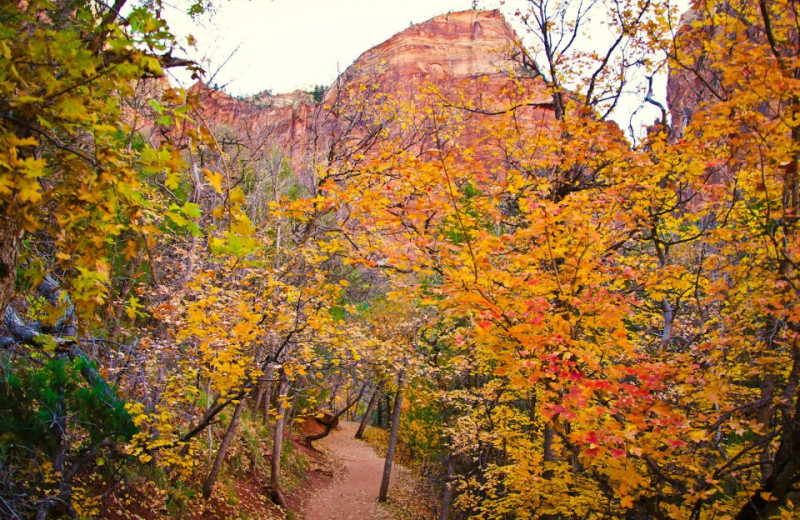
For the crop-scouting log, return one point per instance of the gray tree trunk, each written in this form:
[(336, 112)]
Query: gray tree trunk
[(370, 406), (259, 396), (277, 445), (268, 375), (447, 494), (387, 467), (211, 479)]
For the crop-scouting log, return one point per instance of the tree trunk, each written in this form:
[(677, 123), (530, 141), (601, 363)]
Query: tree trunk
[(9, 249), (208, 407), (764, 418), (259, 396), (371, 406), (258, 393), (291, 415), (387, 412), (548, 442), (277, 445), (387, 467), (447, 494), (211, 479), (268, 374), (767, 500)]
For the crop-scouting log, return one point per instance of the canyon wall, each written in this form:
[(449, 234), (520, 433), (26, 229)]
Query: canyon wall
[(463, 59)]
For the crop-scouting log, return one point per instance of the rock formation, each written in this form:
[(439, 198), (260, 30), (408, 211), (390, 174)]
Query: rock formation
[(466, 56), (457, 45)]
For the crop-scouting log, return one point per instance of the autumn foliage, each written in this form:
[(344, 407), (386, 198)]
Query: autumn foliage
[(584, 327)]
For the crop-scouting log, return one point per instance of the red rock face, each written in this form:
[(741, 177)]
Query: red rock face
[(279, 122), (465, 56), (465, 44), (690, 86), (685, 88)]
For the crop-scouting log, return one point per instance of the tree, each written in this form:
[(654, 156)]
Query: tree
[(395, 425), (368, 412), (604, 348), (72, 187), (588, 328)]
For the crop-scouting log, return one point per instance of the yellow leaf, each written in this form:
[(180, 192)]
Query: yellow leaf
[(697, 435), (214, 179)]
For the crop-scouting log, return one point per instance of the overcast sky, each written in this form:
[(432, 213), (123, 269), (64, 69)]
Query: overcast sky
[(289, 44)]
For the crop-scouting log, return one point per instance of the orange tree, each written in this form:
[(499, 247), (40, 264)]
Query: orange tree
[(623, 318)]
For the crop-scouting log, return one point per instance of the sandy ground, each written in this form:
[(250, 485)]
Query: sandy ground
[(352, 495)]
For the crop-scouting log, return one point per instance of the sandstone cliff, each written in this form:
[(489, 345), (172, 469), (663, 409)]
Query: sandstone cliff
[(464, 56)]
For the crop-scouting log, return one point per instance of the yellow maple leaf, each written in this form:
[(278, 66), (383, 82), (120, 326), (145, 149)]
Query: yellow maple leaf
[(214, 179)]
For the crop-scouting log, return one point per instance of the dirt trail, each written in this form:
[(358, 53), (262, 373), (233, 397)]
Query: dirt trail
[(353, 495)]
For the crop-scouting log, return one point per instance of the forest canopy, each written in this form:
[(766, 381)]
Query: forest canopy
[(571, 325)]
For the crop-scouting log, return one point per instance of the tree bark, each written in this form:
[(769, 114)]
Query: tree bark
[(209, 415), (547, 447), (277, 445), (387, 467), (211, 479), (9, 250), (259, 396), (370, 406), (447, 494), (258, 393), (208, 407), (268, 374)]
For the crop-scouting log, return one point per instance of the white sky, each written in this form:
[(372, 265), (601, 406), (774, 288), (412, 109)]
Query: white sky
[(289, 44)]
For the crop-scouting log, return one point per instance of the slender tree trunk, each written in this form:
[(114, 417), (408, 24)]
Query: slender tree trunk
[(292, 415), (332, 400), (211, 479), (259, 397), (666, 334), (548, 442), (387, 415), (370, 406), (387, 467), (268, 374), (447, 494), (764, 418), (258, 393), (275, 197), (277, 445), (208, 407), (9, 250)]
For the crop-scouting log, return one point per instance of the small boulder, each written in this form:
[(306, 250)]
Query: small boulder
[(327, 419)]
